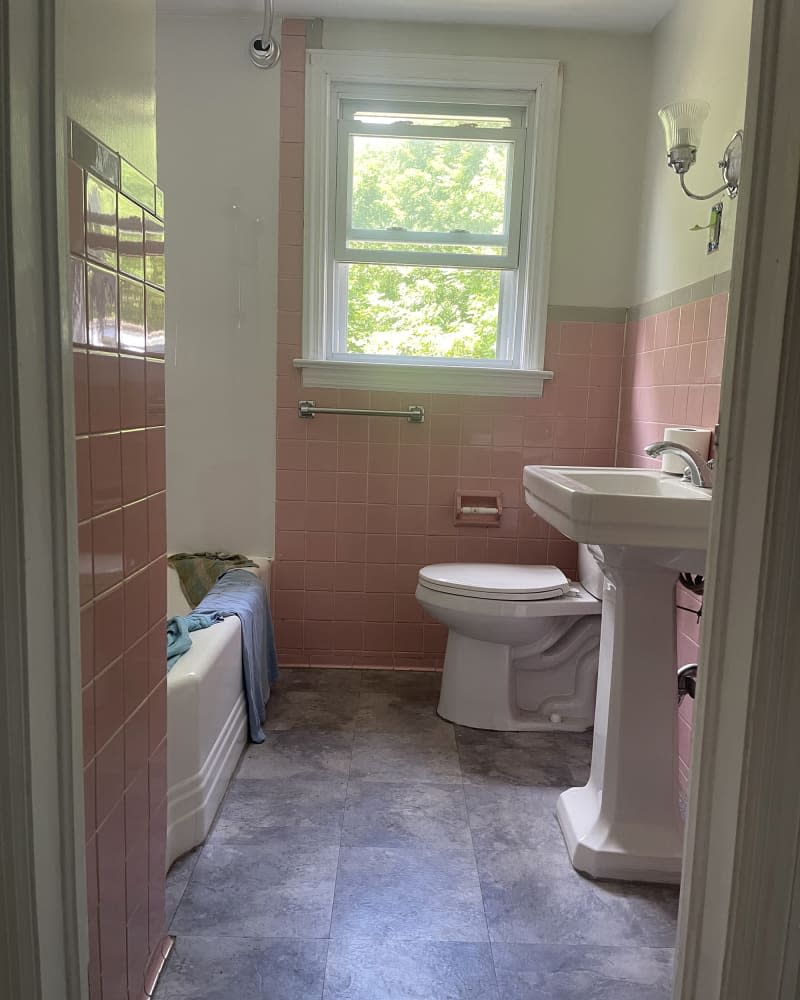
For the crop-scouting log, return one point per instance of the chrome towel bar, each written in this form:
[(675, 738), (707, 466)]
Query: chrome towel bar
[(309, 409)]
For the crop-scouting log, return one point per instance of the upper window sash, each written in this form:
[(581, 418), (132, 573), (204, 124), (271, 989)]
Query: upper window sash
[(508, 240)]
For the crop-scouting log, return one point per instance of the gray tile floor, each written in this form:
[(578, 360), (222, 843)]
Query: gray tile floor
[(370, 851)]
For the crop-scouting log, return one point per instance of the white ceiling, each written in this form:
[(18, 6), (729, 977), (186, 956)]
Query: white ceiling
[(609, 15)]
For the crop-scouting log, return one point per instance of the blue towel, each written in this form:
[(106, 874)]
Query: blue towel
[(178, 629), (242, 594)]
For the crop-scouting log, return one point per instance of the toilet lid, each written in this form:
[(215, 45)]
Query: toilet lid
[(496, 581)]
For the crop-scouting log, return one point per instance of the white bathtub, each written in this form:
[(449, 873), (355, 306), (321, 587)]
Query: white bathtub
[(206, 722)]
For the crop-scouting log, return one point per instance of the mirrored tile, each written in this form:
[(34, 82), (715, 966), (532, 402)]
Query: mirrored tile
[(408, 894), (403, 757), (281, 812), (131, 316), (75, 207), (542, 972), (399, 970), (298, 754), (216, 968), (259, 891), (101, 222), (382, 814), (136, 185), (78, 299)]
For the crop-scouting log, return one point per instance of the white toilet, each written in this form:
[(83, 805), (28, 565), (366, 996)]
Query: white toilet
[(523, 645)]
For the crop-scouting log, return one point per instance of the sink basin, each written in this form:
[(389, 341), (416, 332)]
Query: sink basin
[(642, 507), (643, 528)]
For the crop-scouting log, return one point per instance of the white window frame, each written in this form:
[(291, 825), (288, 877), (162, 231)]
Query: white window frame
[(531, 84)]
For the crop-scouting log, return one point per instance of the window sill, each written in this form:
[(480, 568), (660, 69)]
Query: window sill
[(448, 380)]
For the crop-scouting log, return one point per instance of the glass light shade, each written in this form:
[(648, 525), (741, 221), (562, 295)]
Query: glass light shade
[(683, 123)]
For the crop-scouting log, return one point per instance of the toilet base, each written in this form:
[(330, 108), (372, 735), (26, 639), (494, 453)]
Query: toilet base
[(547, 686)]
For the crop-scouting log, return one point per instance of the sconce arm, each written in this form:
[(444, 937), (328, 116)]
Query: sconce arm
[(701, 197)]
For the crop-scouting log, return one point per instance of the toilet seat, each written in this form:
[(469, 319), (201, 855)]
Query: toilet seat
[(497, 582)]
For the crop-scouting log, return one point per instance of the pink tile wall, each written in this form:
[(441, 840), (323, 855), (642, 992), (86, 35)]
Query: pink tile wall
[(119, 416), (362, 504), (671, 375)]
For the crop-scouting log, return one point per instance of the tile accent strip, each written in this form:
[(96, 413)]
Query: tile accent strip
[(704, 289)]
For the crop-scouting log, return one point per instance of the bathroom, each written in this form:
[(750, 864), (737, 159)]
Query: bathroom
[(402, 827)]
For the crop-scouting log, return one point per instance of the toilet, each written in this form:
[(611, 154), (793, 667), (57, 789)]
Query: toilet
[(523, 644)]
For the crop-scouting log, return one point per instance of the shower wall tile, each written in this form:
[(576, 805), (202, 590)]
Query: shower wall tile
[(120, 417), (362, 504)]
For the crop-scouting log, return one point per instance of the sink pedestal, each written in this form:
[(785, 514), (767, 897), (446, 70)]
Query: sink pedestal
[(625, 823)]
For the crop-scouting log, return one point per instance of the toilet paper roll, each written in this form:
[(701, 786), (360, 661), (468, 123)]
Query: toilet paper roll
[(696, 438)]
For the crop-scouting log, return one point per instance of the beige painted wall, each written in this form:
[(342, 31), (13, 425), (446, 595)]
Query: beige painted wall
[(218, 146), (700, 50), (600, 157), (109, 74)]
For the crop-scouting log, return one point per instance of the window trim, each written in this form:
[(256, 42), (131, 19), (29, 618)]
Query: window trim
[(328, 76)]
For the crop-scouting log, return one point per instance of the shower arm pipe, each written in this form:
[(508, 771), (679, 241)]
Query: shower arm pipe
[(269, 18)]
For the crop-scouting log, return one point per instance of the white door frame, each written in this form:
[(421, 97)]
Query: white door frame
[(43, 947), (739, 935), (739, 924)]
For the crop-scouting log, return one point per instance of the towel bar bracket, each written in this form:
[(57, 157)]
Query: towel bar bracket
[(308, 409)]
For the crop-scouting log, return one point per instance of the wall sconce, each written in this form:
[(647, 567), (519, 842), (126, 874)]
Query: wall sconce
[(683, 126)]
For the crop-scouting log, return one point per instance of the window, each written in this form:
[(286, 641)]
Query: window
[(428, 209)]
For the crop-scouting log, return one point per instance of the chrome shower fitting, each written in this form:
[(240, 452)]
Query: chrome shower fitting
[(264, 49)]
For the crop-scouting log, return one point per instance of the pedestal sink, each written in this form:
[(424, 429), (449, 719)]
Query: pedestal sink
[(643, 527)]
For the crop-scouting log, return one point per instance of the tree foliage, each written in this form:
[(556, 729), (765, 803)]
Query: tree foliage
[(426, 186)]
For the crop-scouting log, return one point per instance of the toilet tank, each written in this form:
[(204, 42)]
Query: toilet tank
[(589, 572)]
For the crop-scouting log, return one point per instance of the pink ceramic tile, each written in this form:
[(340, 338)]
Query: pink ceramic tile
[(156, 460), (714, 360), (293, 53), (104, 409), (135, 533), (351, 487), (136, 753), (576, 338), (106, 471), (291, 454), (351, 517), (603, 402), (694, 404), (87, 710), (290, 224), (136, 679), (84, 478), (87, 643), (107, 546), (686, 324), (136, 620), (608, 338), (155, 322), (157, 591), (350, 546), (349, 577), (290, 545), (702, 313), (157, 525), (81, 383), (321, 545), (101, 308), (109, 704), (710, 411), (109, 786), (719, 315), (131, 316), (132, 398), (291, 485), (697, 362), (157, 728), (605, 371), (318, 605), (134, 465)]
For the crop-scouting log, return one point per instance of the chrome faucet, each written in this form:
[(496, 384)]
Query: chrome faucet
[(698, 471)]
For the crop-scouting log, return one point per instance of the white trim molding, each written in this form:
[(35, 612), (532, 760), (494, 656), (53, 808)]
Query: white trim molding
[(739, 920), (445, 379), (530, 84)]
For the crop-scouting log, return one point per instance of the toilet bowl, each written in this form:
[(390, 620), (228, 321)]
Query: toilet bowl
[(523, 644)]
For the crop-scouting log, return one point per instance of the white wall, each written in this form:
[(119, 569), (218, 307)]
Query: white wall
[(601, 154), (109, 74), (218, 146), (700, 51)]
